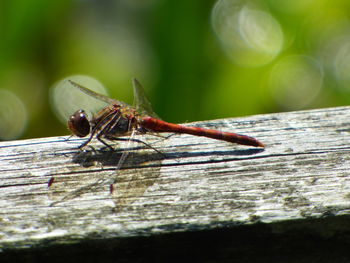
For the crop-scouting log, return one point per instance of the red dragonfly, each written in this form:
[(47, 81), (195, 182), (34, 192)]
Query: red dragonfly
[(120, 119)]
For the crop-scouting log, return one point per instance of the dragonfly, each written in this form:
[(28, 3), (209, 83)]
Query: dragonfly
[(119, 119)]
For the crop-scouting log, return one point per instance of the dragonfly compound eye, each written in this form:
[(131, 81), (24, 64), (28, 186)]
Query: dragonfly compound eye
[(78, 124)]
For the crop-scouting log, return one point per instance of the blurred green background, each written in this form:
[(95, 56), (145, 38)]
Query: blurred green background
[(197, 59)]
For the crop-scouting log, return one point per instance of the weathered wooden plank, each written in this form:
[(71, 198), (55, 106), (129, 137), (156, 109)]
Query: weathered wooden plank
[(199, 183)]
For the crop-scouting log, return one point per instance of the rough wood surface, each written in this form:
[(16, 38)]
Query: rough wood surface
[(199, 183)]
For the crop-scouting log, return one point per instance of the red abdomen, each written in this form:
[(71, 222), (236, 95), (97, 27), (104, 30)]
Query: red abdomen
[(156, 125)]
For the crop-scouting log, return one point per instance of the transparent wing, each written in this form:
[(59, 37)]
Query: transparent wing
[(141, 103), (96, 95)]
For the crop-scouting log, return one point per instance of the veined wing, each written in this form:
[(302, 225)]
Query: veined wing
[(141, 103), (96, 95)]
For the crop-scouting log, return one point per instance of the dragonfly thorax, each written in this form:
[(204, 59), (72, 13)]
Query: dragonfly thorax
[(122, 126), (114, 121)]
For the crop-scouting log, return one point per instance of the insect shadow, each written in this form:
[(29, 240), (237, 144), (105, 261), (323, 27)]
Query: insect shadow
[(106, 157), (127, 181), (141, 168)]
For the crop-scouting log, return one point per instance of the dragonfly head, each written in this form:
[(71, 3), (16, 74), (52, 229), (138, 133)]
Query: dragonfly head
[(78, 123)]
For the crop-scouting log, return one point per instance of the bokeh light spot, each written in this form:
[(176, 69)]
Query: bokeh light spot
[(66, 99), (260, 31), (341, 62), (295, 81), (250, 36), (13, 116)]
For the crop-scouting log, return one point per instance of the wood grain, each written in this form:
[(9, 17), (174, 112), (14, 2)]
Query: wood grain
[(198, 184)]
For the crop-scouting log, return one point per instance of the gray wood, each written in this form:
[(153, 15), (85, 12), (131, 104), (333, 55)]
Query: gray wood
[(199, 183)]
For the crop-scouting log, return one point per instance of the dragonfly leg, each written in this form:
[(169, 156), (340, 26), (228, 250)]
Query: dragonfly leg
[(106, 144), (67, 139), (88, 140), (85, 143), (162, 136), (136, 140)]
